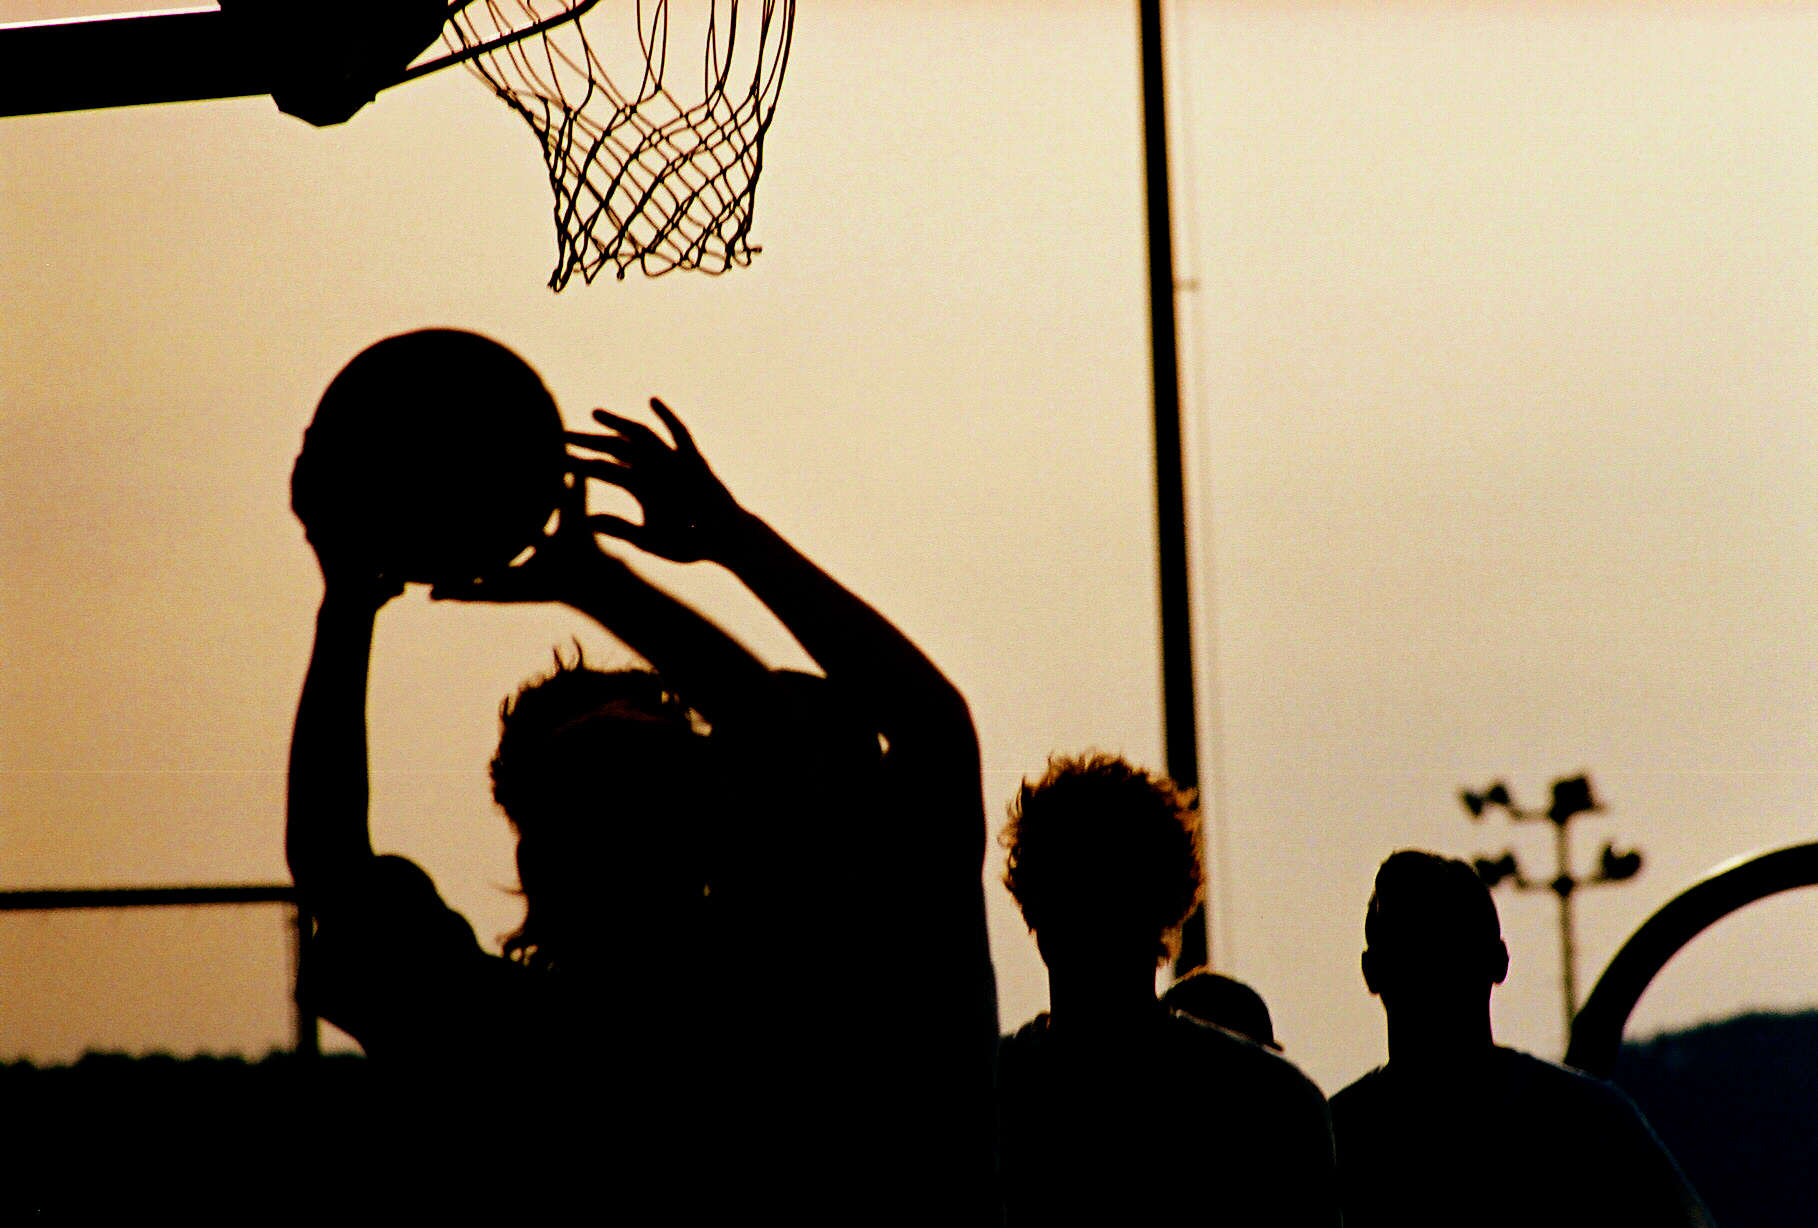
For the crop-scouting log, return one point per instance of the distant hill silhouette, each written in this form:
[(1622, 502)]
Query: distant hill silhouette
[(1737, 1102)]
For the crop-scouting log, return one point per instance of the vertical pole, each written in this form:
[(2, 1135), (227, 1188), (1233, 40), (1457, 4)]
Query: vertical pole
[(1179, 726), (309, 1035), (1568, 954)]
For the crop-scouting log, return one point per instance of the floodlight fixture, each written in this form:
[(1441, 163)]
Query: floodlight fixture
[(1572, 796)]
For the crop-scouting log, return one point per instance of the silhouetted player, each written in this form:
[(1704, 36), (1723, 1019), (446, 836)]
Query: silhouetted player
[(592, 770), (1456, 1129), (1114, 1108), (854, 1081), (1215, 998)]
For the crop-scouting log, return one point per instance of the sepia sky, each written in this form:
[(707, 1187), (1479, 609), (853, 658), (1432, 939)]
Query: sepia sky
[(1504, 430)]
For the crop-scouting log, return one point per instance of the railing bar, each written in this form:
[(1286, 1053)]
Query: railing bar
[(144, 897)]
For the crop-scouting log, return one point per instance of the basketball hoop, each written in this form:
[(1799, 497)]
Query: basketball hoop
[(641, 176)]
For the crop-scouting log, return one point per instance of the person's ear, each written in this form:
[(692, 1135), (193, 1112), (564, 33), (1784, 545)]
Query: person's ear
[(1499, 963)]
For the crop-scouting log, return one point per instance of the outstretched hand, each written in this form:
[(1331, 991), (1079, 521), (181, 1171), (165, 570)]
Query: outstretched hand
[(687, 510)]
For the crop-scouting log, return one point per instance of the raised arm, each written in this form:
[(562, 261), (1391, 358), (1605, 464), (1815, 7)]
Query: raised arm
[(716, 674), (689, 515), (326, 838), (325, 835)]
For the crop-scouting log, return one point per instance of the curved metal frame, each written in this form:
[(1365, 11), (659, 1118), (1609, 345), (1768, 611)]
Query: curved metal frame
[(1597, 1029)]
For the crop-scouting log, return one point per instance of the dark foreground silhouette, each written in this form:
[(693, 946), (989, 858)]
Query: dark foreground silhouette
[(222, 1139), (1115, 1109), (1737, 1101), (1456, 1129), (787, 843)]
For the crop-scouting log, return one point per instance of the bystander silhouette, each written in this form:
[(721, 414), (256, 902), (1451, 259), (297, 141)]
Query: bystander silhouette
[(1215, 998), (1456, 1129), (1116, 1109)]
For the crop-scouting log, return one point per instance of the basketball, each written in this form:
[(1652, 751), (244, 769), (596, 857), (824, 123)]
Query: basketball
[(435, 455)]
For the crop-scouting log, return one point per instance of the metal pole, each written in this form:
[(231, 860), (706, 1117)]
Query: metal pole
[(309, 1032), (1179, 725), (1568, 955)]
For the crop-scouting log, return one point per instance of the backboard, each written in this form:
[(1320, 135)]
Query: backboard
[(320, 62), (101, 55)]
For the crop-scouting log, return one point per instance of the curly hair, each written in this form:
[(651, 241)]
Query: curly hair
[(1101, 843)]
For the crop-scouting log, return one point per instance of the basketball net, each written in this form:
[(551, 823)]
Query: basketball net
[(642, 175)]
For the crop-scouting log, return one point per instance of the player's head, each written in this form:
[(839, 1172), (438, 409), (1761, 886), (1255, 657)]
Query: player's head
[(1222, 1000), (601, 773), (1431, 930), (1103, 860)]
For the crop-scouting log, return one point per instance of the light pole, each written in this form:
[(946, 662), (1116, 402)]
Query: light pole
[(1180, 731), (1572, 797)]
